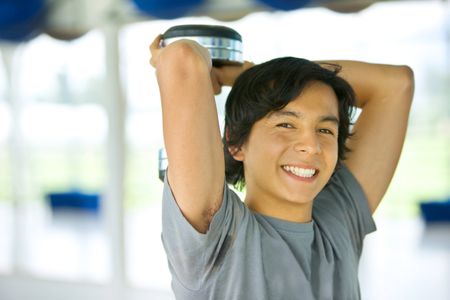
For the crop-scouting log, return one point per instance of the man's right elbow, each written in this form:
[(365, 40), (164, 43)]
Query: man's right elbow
[(407, 77), (181, 55)]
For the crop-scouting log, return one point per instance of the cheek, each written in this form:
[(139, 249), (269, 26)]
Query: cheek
[(276, 145), (281, 140), (330, 150), (269, 142), (332, 153)]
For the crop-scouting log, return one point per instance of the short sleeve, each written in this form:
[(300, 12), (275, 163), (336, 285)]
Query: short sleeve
[(342, 205), (192, 256)]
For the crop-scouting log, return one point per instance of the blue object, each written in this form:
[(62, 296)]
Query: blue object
[(21, 20), (285, 4), (436, 211), (164, 9), (74, 200)]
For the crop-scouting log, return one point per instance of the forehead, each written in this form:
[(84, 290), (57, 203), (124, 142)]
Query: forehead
[(317, 98)]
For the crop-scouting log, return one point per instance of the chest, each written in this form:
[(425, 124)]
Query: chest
[(283, 267)]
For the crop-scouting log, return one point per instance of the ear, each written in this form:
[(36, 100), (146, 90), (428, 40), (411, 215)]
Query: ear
[(236, 153)]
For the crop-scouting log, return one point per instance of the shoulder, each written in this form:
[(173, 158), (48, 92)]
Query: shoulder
[(342, 208), (343, 185), (228, 216), (196, 258)]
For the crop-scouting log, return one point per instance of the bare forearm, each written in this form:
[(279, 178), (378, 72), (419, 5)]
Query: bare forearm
[(377, 82)]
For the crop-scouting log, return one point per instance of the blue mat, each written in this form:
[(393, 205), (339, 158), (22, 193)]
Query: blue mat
[(74, 200), (436, 211)]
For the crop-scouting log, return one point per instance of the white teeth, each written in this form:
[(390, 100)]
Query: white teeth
[(300, 171)]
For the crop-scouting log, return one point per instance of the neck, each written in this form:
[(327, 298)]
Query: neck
[(283, 210)]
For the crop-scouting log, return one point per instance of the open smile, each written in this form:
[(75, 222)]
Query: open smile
[(301, 173)]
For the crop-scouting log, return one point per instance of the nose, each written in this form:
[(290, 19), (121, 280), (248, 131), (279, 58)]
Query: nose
[(308, 143)]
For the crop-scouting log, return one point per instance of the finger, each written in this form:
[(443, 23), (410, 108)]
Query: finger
[(154, 48), (152, 62), (156, 42), (217, 85), (228, 74), (248, 64), (217, 89)]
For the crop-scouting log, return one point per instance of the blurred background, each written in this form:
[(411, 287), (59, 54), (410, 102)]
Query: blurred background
[(80, 131)]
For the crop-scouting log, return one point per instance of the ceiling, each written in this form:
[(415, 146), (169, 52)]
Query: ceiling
[(21, 20)]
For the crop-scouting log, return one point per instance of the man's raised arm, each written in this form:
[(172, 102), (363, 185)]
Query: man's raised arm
[(384, 93), (191, 129)]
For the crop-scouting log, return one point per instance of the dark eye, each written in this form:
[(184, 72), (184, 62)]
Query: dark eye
[(326, 131), (285, 125)]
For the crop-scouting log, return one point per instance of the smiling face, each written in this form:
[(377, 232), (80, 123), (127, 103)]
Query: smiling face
[(291, 154)]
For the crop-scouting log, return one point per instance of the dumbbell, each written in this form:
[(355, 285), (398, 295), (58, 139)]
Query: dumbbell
[(223, 43)]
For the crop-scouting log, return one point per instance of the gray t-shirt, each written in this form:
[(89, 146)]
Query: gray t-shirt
[(246, 255)]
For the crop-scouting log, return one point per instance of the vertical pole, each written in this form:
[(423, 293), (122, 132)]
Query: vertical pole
[(113, 202), (447, 63), (11, 60)]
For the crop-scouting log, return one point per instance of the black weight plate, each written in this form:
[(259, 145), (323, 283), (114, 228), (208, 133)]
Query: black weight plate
[(202, 30)]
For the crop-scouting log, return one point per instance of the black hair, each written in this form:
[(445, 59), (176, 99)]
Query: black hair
[(269, 87)]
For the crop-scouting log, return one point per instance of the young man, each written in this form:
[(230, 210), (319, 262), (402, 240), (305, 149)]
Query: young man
[(308, 201)]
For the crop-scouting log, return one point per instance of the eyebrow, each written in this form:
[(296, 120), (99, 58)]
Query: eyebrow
[(298, 115)]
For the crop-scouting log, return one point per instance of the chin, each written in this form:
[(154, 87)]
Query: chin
[(302, 198), (303, 194)]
